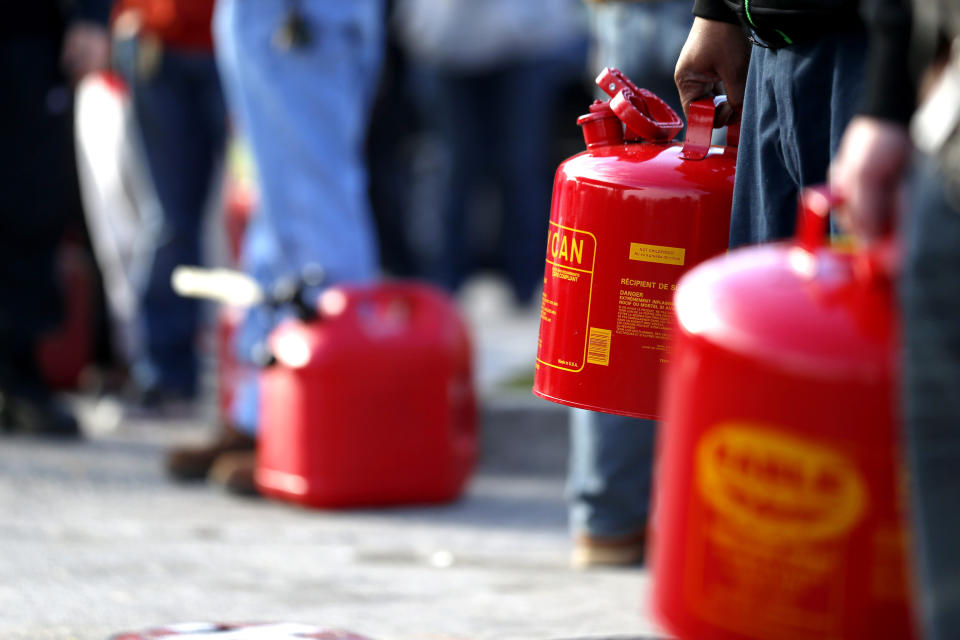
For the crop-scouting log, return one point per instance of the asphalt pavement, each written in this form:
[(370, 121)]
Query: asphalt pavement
[(95, 540)]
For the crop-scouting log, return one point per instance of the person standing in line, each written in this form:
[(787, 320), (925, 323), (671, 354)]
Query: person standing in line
[(917, 44), (795, 71), (489, 76), (164, 50), (300, 78), (611, 456), (46, 47)]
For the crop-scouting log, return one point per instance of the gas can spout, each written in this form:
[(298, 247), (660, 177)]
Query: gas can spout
[(601, 127)]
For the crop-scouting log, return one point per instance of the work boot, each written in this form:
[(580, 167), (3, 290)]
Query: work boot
[(613, 551), (235, 471), (195, 463)]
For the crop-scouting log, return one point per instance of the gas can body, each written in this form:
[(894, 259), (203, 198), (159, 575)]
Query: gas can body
[(627, 219), (64, 353), (230, 369), (372, 404), (779, 498)]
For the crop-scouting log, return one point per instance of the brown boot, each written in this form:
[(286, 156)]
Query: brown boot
[(234, 471), (619, 551), (194, 463)]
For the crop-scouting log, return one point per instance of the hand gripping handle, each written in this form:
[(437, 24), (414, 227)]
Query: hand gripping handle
[(696, 145), (878, 262)]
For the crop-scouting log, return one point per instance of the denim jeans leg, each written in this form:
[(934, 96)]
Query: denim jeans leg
[(525, 95), (930, 307), (797, 103), (303, 112), (609, 478), (460, 113), (611, 457), (181, 119)]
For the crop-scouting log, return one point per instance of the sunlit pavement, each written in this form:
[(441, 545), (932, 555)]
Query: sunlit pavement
[(94, 540)]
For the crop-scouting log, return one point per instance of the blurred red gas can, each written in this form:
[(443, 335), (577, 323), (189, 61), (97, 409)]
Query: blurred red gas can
[(64, 353), (372, 403), (778, 494), (230, 370), (629, 216)]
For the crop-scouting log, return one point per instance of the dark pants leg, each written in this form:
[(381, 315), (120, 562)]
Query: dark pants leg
[(527, 93), (37, 187), (610, 473), (181, 118), (931, 323), (38, 195), (797, 104)]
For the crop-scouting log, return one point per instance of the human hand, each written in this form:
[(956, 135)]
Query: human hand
[(866, 175), (86, 48), (713, 61)]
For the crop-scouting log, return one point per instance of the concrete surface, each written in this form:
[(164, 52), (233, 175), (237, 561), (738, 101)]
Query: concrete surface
[(94, 540)]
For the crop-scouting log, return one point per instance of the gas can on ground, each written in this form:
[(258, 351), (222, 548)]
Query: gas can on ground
[(372, 403)]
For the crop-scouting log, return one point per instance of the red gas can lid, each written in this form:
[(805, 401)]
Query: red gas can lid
[(801, 303), (644, 113)]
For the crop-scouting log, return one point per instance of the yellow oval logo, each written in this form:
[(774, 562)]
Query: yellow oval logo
[(778, 486)]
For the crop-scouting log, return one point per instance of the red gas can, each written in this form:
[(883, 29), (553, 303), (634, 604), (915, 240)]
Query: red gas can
[(629, 216), (778, 494), (371, 404), (64, 353), (230, 370)]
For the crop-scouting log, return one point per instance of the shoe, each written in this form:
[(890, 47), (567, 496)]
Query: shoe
[(195, 463), (36, 412), (615, 551), (235, 471), (159, 403)]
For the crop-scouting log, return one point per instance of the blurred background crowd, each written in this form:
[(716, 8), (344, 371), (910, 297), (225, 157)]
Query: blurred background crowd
[(304, 143), (411, 138)]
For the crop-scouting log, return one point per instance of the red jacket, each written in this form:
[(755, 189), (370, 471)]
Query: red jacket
[(183, 24)]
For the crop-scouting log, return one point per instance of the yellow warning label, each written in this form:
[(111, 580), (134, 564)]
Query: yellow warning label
[(657, 253), (779, 487), (775, 526), (565, 306), (598, 346)]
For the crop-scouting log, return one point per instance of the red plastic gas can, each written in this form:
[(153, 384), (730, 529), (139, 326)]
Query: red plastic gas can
[(629, 216), (371, 404), (778, 492), (65, 352), (230, 370)]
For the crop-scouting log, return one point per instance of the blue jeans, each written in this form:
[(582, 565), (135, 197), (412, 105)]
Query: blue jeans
[(609, 478), (181, 119), (611, 456), (304, 113), (797, 104), (492, 122), (931, 382)]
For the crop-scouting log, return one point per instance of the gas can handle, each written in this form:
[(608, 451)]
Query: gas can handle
[(401, 301), (644, 113), (611, 81), (877, 262), (700, 114), (813, 216)]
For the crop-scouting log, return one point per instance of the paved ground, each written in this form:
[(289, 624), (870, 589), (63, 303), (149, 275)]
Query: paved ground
[(94, 540)]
